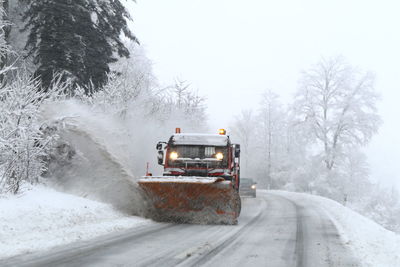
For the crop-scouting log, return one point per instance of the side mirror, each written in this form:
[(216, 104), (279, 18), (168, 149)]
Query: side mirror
[(237, 150), (159, 146), (160, 157)]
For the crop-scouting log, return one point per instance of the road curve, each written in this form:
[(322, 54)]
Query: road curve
[(272, 231)]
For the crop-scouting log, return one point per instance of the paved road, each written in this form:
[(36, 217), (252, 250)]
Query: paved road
[(272, 231)]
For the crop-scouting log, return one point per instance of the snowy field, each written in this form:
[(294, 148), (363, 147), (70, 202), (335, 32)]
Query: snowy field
[(370, 242), (41, 218)]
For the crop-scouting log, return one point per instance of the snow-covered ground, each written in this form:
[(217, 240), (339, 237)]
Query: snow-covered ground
[(41, 218), (370, 242)]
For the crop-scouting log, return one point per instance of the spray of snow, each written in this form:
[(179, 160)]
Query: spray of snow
[(96, 157)]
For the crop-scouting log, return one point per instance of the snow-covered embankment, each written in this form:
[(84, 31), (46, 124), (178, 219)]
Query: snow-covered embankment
[(372, 244), (92, 164), (41, 218)]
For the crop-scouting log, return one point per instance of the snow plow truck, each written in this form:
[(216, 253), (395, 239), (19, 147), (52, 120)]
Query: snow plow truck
[(200, 181)]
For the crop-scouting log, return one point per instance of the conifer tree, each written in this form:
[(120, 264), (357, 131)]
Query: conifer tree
[(77, 38)]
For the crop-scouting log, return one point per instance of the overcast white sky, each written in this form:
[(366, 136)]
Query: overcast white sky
[(231, 51)]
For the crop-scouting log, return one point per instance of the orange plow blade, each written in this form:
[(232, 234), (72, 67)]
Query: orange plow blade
[(200, 200)]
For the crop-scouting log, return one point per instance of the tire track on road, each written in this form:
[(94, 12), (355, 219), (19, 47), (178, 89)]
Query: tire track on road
[(226, 243), (204, 251), (63, 255), (318, 241), (223, 243), (299, 247)]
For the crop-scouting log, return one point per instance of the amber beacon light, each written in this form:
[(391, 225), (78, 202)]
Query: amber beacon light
[(222, 131)]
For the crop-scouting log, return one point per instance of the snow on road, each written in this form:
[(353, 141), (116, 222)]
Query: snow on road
[(372, 244), (272, 229), (42, 218), (279, 228)]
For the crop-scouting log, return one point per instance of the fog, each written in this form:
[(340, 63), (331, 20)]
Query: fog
[(232, 51), (295, 84)]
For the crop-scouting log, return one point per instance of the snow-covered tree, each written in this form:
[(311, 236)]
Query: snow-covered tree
[(131, 87), (337, 104), (180, 105), (264, 138), (271, 134), (136, 71), (23, 146), (244, 133), (5, 48), (110, 17), (353, 178), (381, 205), (22, 143)]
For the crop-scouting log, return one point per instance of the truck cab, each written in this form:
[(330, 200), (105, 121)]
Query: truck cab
[(203, 155)]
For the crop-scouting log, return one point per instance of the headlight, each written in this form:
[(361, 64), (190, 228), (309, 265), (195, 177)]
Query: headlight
[(219, 156), (173, 155), (253, 186)]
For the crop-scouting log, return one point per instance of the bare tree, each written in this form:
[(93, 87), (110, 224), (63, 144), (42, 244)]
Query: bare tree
[(338, 105), (243, 129), (182, 105), (271, 131), (181, 89)]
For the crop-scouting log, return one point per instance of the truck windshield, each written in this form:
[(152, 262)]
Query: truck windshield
[(186, 154)]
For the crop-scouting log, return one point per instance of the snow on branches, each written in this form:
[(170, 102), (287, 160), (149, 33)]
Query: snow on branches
[(315, 145), (337, 104), (23, 143)]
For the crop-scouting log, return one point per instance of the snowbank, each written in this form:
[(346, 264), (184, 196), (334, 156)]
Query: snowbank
[(42, 218), (370, 242)]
